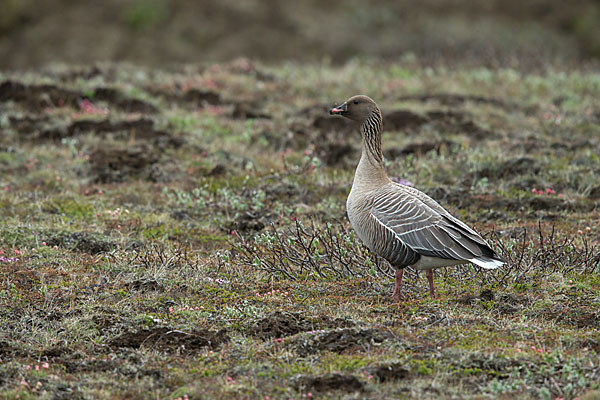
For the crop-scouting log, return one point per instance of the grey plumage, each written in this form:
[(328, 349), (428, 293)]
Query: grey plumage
[(400, 223)]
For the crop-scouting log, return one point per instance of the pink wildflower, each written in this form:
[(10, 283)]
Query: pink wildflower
[(45, 365), (27, 367)]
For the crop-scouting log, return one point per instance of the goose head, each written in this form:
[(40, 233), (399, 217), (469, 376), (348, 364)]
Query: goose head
[(357, 108)]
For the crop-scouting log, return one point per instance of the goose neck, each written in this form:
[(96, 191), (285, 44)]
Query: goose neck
[(370, 171), (371, 134)]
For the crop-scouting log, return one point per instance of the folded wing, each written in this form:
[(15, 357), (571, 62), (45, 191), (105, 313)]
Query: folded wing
[(412, 223)]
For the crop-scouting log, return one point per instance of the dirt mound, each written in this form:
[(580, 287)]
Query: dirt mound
[(83, 242), (248, 111), (388, 372), (339, 340), (170, 339), (509, 303), (574, 316), (505, 303), (55, 351), (282, 324), (79, 366), (402, 119), (594, 193), (5, 348), (122, 102), (327, 123), (250, 222), (201, 98), (453, 100), (38, 97), (138, 129), (144, 285), (336, 152), (40, 128), (485, 295), (510, 168), (330, 382), (120, 163), (187, 98), (460, 122), (419, 148)]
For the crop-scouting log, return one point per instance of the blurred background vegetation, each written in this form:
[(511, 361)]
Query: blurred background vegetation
[(160, 32)]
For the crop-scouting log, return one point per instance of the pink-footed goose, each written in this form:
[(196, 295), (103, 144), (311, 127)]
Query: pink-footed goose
[(400, 223)]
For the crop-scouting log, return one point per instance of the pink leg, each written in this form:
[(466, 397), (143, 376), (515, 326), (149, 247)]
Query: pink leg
[(429, 274), (397, 295)]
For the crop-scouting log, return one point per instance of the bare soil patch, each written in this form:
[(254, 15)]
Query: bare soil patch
[(389, 372), (83, 242), (339, 340), (165, 338), (329, 382), (282, 324)]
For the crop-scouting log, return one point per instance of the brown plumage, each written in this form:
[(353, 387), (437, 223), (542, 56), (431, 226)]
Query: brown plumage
[(400, 223)]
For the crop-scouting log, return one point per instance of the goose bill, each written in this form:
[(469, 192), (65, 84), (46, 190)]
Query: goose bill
[(339, 109)]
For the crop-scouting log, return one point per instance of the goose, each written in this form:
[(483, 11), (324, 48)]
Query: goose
[(399, 223)]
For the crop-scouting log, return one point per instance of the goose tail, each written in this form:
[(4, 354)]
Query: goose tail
[(487, 262)]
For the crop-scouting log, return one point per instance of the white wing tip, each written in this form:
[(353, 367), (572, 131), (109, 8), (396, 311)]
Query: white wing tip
[(487, 263)]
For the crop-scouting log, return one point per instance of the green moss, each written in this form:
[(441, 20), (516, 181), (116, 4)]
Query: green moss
[(161, 232), (422, 367), (69, 207)]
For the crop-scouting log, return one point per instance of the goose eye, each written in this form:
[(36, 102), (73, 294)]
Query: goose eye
[(355, 101)]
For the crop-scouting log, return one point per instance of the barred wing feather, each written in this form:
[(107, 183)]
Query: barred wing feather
[(418, 223)]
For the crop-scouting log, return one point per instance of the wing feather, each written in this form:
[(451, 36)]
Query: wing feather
[(408, 223)]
